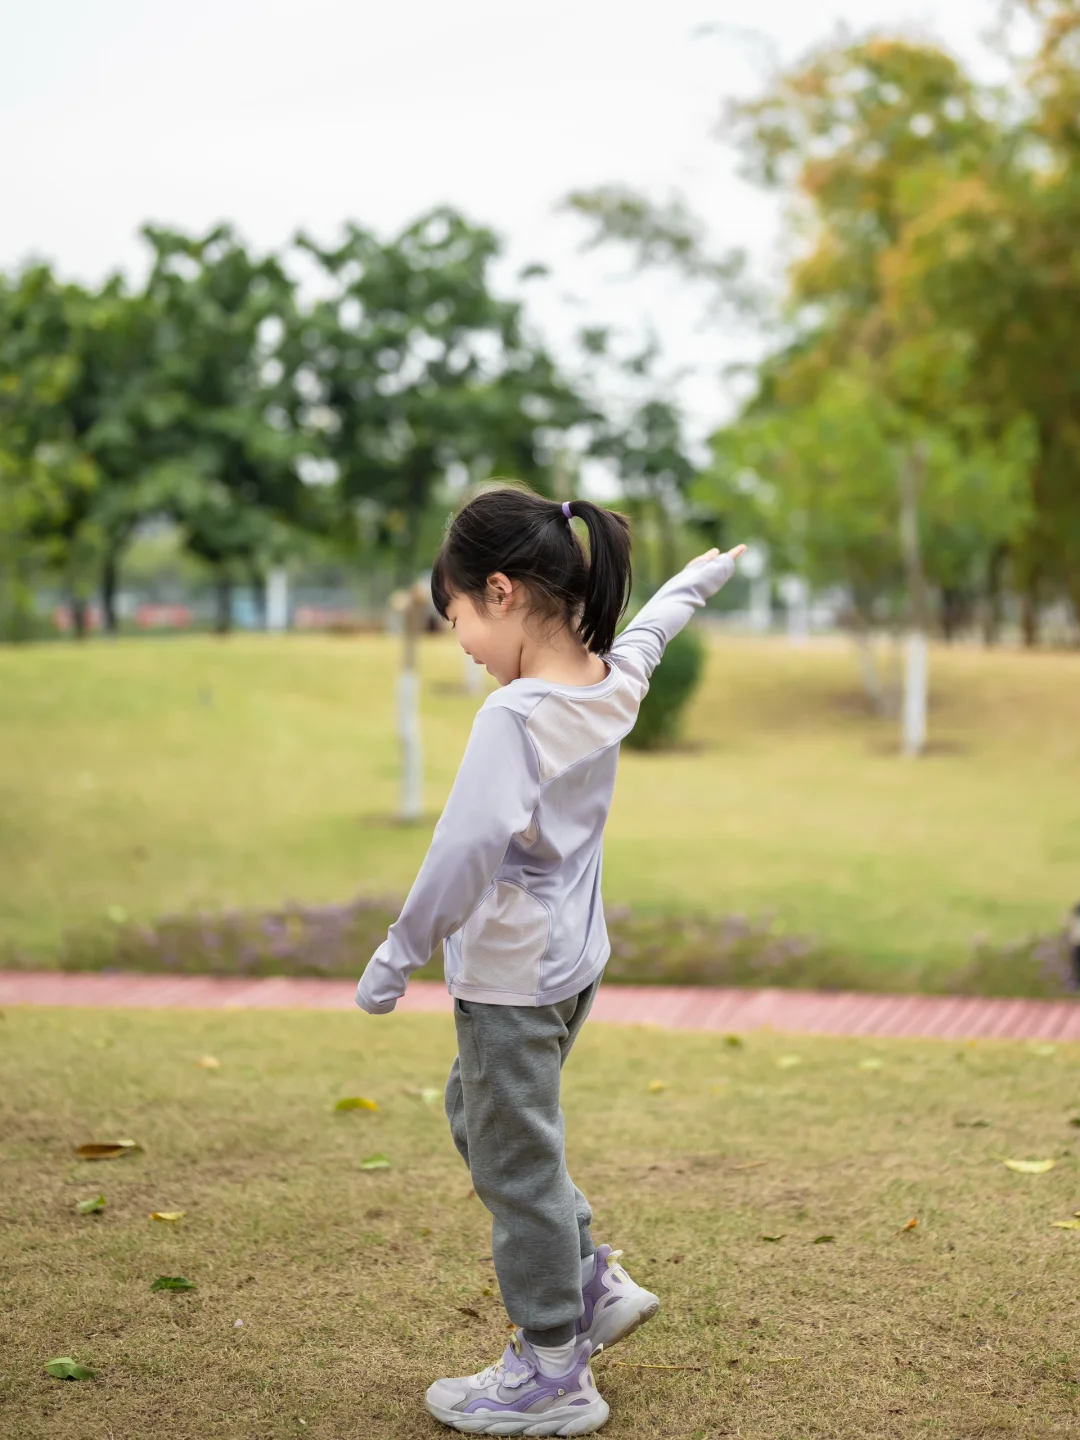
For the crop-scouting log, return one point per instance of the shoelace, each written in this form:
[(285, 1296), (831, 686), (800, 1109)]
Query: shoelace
[(497, 1372)]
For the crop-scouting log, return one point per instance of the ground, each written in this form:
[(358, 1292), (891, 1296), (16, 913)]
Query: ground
[(356, 1288), (156, 775)]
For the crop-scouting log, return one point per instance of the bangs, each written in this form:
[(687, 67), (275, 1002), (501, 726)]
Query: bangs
[(442, 589)]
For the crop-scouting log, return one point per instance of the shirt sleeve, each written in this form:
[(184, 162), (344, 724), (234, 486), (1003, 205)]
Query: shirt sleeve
[(644, 640), (494, 796)]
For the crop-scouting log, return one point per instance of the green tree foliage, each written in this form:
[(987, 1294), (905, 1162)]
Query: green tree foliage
[(673, 683), (412, 369)]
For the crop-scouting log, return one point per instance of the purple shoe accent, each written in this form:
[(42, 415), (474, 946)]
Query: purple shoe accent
[(520, 1399), (614, 1305)]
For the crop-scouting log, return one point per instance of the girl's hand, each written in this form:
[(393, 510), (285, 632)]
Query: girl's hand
[(712, 554)]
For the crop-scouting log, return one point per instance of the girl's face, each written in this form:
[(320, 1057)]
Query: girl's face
[(493, 631)]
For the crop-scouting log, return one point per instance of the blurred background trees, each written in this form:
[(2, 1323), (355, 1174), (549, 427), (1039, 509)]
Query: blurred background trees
[(919, 381)]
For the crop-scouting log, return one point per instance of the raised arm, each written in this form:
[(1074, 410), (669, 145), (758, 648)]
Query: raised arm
[(646, 637), (493, 798)]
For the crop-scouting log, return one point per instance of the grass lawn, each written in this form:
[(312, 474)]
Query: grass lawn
[(357, 1288), (160, 775)]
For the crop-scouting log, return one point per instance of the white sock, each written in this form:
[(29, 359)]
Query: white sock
[(588, 1268), (555, 1359)]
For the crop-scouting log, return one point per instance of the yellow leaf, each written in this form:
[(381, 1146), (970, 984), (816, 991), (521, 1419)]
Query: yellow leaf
[(655, 1086), (107, 1150), (1043, 1049), (1030, 1167), (871, 1063), (209, 1062), (911, 1225), (355, 1102), (167, 1214), (1065, 1224), (786, 1062)]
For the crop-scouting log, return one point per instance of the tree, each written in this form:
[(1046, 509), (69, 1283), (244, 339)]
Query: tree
[(218, 437), (413, 369)]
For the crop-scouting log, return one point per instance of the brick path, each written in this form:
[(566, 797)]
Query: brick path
[(674, 1007)]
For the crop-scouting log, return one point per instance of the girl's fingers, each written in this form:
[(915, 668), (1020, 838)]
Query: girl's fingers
[(739, 550)]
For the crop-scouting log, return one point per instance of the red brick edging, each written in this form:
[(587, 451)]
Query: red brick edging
[(670, 1006)]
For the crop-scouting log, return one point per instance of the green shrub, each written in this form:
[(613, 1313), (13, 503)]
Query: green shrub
[(673, 682)]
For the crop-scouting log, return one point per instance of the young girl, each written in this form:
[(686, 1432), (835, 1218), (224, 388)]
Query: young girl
[(511, 888)]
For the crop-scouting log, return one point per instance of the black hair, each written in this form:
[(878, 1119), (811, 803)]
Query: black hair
[(529, 539)]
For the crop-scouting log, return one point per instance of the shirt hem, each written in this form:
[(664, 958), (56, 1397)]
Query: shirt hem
[(482, 996)]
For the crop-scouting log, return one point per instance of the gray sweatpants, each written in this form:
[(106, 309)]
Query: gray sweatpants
[(502, 1100)]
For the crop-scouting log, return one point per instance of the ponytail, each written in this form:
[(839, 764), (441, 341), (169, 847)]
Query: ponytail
[(608, 586), (530, 540)]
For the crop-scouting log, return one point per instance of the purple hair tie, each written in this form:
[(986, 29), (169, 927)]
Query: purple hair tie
[(566, 509)]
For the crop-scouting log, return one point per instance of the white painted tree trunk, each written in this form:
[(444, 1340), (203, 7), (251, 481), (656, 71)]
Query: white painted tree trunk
[(277, 599), (916, 688), (797, 599), (761, 604), (412, 766)]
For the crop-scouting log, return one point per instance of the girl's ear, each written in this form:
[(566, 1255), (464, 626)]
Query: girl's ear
[(500, 590)]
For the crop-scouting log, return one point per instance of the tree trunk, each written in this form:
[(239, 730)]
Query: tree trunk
[(79, 618), (223, 602), (665, 535), (916, 655), (995, 571), (952, 613), (110, 584), (1029, 616), (258, 596)]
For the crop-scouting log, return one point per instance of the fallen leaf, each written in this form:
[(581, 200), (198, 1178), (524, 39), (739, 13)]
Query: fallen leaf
[(654, 1087), (771, 1238), (209, 1062), (871, 1063), (973, 1124), (429, 1095), (912, 1224), (1065, 1224), (107, 1150), (172, 1282), (1075, 1122), (468, 1310), (1043, 1049), (1029, 1167), (750, 1165), (735, 1041), (90, 1207), (425, 1231), (375, 1162), (167, 1214), (786, 1062), (355, 1102), (676, 1259), (65, 1368), (823, 1239)]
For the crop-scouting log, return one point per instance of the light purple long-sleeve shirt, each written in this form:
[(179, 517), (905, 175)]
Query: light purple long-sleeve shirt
[(511, 883)]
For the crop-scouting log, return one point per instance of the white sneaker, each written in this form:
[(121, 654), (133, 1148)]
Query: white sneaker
[(615, 1305), (514, 1397)]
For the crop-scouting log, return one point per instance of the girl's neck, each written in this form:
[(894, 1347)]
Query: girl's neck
[(562, 660)]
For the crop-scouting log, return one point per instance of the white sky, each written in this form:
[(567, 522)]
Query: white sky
[(281, 114)]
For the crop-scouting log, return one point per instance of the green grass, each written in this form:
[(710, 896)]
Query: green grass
[(356, 1289), (158, 776)]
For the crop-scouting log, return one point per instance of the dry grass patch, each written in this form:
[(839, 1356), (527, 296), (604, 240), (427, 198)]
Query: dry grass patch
[(355, 1289)]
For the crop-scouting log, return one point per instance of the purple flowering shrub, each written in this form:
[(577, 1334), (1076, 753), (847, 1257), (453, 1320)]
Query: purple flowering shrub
[(338, 940)]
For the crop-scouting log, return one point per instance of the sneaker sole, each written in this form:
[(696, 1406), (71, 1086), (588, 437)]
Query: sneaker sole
[(644, 1312), (566, 1421)]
